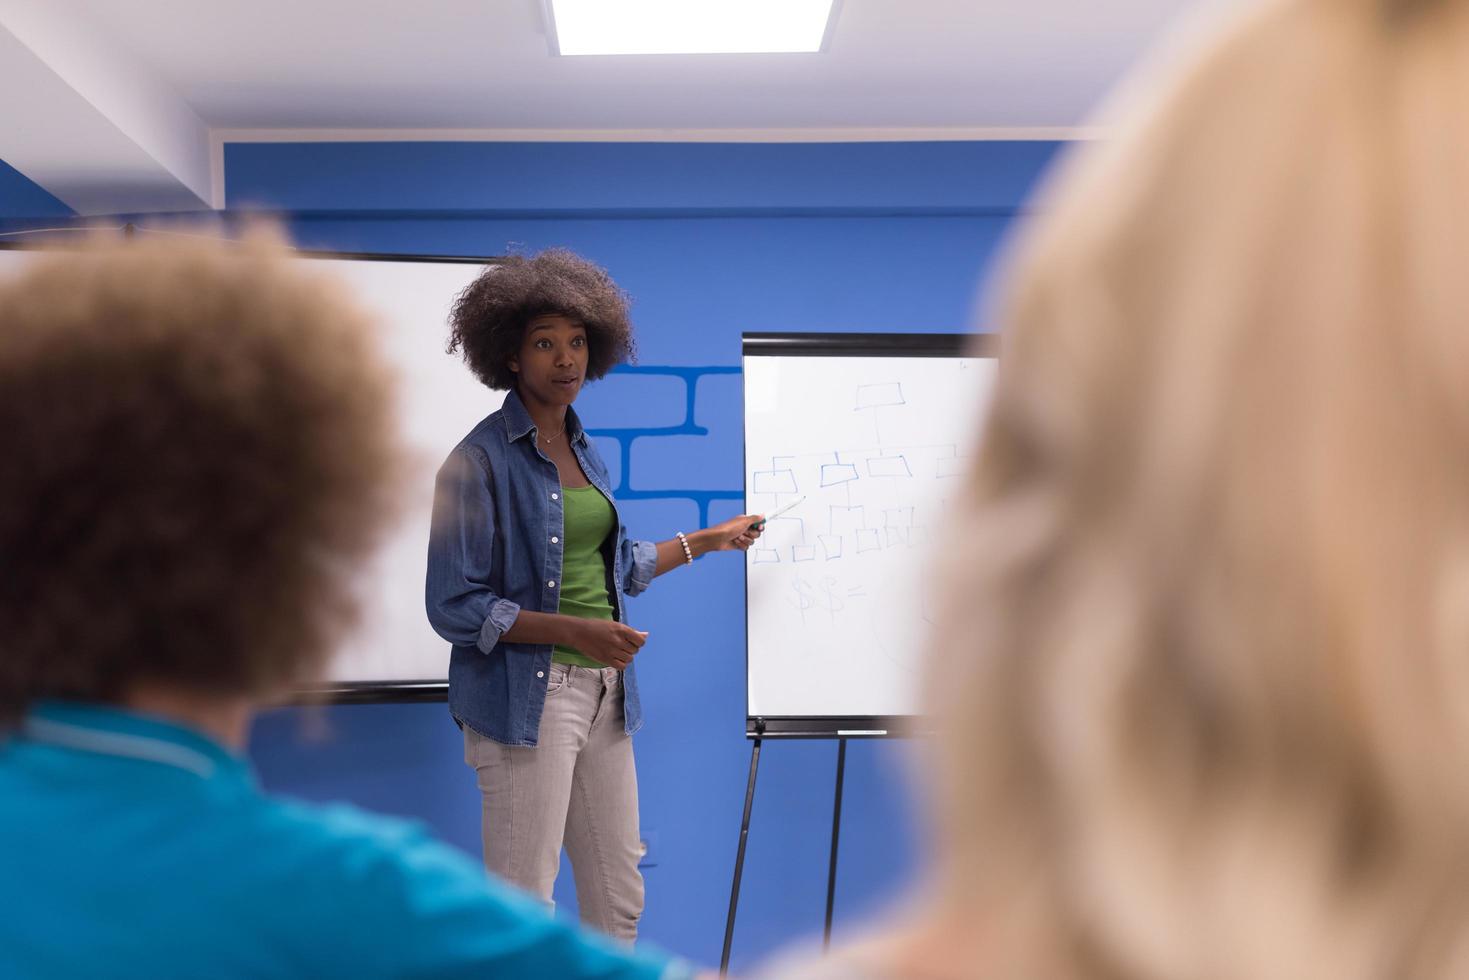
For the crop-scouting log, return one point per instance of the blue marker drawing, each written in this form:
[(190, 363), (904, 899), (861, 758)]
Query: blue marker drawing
[(888, 466), (835, 473), (831, 545)]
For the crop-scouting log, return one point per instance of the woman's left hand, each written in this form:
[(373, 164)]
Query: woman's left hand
[(735, 534)]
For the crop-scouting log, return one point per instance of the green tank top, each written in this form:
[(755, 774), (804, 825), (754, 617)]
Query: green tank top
[(588, 521)]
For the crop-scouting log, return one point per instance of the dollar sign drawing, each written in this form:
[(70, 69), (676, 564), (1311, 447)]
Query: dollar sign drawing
[(804, 598), (832, 602)]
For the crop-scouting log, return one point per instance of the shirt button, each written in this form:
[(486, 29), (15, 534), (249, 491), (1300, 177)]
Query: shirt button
[(553, 496), (551, 584), (540, 673), (554, 539)]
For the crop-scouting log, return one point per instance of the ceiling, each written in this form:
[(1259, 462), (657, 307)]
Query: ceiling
[(116, 102)]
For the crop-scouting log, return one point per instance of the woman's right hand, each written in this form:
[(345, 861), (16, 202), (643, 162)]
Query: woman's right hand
[(607, 641)]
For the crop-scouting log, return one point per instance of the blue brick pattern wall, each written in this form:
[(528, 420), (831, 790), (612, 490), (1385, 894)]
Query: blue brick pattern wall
[(677, 460)]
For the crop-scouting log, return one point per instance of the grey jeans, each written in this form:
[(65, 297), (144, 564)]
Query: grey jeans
[(577, 786)]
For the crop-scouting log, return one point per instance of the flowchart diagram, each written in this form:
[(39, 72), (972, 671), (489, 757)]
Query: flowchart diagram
[(876, 450), (860, 498)]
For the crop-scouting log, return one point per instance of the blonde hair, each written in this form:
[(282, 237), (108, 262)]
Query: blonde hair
[(1216, 574)]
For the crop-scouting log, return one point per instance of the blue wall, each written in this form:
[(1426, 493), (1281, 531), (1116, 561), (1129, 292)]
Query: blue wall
[(711, 240), (20, 197)]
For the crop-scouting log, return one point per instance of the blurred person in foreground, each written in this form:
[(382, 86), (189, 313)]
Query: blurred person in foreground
[(1203, 695), (198, 445)]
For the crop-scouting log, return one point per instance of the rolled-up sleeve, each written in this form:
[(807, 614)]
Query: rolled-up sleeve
[(639, 562), (459, 593)]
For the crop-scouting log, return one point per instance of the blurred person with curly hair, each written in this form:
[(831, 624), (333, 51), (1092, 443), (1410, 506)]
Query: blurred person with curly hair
[(199, 445), (529, 565)]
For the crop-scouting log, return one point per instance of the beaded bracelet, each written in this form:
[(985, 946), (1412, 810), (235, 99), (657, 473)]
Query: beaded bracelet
[(688, 554)]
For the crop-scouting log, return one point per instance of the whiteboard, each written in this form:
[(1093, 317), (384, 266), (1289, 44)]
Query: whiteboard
[(873, 434), (439, 401)]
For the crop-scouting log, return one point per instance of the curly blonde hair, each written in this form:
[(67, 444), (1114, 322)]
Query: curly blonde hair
[(198, 447)]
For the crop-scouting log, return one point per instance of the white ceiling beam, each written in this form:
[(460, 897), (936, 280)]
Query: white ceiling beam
[(89, 124)]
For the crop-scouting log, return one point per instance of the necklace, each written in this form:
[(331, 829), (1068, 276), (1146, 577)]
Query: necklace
[(557, 435)]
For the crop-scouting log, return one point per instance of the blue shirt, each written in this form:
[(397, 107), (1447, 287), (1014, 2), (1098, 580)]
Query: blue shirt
[(137, 848), (496, 548)]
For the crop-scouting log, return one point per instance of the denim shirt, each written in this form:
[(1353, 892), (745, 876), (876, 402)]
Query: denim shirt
[(495, 548)]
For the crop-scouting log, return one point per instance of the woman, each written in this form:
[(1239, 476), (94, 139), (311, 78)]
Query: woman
[(528, 569), (1211, 582), (198, 446)]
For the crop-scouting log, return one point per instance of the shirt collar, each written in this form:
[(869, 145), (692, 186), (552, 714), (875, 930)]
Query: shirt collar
[(519, 424), (116, 731)]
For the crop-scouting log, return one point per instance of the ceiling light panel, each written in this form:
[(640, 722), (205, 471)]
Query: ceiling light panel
[(584, 27)]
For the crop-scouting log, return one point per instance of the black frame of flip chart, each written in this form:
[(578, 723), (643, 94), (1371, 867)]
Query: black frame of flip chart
[(840, 727), (851, 345)]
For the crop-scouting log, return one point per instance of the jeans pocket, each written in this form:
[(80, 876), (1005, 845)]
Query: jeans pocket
[(559, 677)]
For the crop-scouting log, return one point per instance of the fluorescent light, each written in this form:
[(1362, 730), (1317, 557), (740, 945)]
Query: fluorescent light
[(689, 26)]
